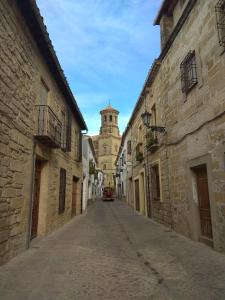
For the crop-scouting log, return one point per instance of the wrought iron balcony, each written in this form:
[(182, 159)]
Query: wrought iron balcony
[(49, 129)]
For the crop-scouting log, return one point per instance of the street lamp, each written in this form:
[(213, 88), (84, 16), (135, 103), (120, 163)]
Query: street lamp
[(146, 118)]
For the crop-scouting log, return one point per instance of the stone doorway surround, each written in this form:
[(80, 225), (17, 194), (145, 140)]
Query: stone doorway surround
[(193, 211)]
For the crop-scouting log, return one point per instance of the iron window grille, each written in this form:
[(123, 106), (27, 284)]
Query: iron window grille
[(189, 76), (220, 20), (62, 191)]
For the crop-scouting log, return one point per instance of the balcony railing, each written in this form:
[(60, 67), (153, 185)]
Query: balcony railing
[(49, 129)]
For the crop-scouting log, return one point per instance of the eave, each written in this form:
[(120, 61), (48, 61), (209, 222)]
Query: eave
[(34, 21), (166, 8)]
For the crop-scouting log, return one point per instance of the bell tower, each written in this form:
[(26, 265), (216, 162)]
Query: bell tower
[(107, 144), (109, 121)]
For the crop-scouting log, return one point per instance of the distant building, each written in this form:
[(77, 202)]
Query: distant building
[(107, 144), (92, 177)]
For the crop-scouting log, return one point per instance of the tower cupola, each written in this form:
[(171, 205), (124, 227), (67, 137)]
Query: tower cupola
[(109, 121)]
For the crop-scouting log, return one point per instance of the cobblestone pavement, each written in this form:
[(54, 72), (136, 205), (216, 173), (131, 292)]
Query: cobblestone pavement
[(112, 253)]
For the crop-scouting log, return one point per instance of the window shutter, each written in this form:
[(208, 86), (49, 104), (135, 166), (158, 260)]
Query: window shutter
[(68, 131), (62, 191)]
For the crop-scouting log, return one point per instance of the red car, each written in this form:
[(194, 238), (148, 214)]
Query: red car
[(108, 194)]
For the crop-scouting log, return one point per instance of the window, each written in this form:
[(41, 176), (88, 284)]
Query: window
[(44, 90), (129, 147), (188, 72), (220, 18), (110, 118), (63, 135), (104, 167), (66, 119), (105, 118), (62, 191), (156, 192), (78, 145)]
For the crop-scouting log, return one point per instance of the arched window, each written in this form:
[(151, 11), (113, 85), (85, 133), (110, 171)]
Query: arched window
[(110, 118), (105, 118), (104, 167)]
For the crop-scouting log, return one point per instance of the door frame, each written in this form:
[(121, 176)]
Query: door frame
[(193, 214)]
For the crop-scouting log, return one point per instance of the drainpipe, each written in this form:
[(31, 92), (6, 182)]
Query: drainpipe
[(31, 194)]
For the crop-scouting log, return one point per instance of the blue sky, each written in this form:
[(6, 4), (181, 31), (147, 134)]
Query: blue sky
[(105, 48)]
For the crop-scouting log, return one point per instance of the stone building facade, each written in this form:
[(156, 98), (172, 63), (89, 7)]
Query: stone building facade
[(107, 144), (40, 132), (92, 176), (124, 170), (184, 92)]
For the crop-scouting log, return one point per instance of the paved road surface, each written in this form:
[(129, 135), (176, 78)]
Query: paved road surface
[(112, 253)]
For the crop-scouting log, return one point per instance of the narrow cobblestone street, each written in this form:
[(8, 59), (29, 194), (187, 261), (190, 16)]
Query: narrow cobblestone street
[(112, 253)]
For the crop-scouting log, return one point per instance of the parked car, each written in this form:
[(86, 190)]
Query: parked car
[(108, 194)]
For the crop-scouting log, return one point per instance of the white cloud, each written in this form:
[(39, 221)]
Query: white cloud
[(91, 100), (98, 34)]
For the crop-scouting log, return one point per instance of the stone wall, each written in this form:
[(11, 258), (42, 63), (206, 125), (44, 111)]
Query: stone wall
[(195, 127), (21, 70), (194, 122)]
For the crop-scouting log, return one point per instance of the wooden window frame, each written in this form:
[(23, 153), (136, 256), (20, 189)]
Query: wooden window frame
[(62, 191)]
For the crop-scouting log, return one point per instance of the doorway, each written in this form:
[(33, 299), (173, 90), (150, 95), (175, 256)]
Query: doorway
[(81, 200), (36, 199), (203, 201), (74, 196), (137, 195)]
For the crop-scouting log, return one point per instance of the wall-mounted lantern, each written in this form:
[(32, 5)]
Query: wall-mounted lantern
[(146, 119)]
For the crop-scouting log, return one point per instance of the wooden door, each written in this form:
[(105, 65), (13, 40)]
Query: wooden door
[(204, 203), (81, 199), (137, 195), (74, 197), (35, 209)]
